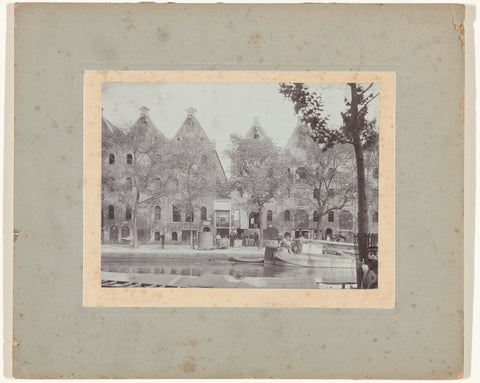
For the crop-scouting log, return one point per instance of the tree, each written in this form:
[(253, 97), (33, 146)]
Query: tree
[(258, 173), (324, 177), (356, 130), (144, 180), (192, 167)]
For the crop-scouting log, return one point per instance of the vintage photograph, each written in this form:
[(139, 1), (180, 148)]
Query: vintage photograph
[(240, 185)]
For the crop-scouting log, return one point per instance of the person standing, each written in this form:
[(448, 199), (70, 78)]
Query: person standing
[(162, 239)]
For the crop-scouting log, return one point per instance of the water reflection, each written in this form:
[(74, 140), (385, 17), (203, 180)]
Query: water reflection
[(188, 267)]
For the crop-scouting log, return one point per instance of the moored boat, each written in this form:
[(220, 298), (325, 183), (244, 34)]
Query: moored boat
[(240, 259), (310, 254)]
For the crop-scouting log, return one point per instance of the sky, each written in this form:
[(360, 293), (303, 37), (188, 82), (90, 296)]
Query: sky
[(221, 108)]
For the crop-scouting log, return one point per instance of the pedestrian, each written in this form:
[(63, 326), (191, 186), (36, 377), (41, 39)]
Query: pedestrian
[(286, 242), (162, 238)]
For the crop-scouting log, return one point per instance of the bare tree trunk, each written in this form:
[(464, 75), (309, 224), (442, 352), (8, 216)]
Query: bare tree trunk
[(191, 233), (319, 225), (361, 184), (135, 234), (260, 223)]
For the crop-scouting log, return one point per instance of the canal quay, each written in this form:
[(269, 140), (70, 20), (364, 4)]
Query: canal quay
[(180, 266)]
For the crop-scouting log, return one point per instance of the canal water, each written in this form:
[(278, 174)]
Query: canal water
[(238, 270)]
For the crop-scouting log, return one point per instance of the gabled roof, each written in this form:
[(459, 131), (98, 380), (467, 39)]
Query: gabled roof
[(256, 131), (109, 129), (191, 127), (144, 120), (294, 145)]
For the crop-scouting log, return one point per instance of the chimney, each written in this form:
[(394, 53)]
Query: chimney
[(144, 111), (191, 112)]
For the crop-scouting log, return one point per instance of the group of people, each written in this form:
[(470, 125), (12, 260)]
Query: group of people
[(292, 245)]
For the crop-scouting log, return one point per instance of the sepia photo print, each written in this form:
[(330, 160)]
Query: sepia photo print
[(240, 185)]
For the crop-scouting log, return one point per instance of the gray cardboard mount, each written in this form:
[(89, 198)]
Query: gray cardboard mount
[(55, 336)]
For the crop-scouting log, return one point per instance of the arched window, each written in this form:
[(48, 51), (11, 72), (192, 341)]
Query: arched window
[(174, 236), (375, 217), (111, 212), (125, 232), (286, 215), (331, 216), (302, 174), (157, 236), (129, 159), (129, 184), (189, 217), (316, 216), (203, 213), (158, 213), (128, 213), (111, 159), (269, 215), (375, 173), (176, 214)]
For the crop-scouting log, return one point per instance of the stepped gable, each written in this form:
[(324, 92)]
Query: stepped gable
[(256, 131), (145, 121)]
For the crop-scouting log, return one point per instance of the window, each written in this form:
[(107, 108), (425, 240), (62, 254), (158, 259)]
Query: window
[(302, 174), (125, 232), (129, 184), (375, 217), (316, 216), (176, 214), (157, 236), (111, 159), (174, 236), (189, 217), (331, 193), (222, 217), (128, 213), (129, 159), (375, 173), (158, 213), (331, 216), (203, 213), (111, 212), (286, 215), (269, 215)]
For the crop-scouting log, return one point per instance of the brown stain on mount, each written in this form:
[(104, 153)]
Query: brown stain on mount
[(189, 366)]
